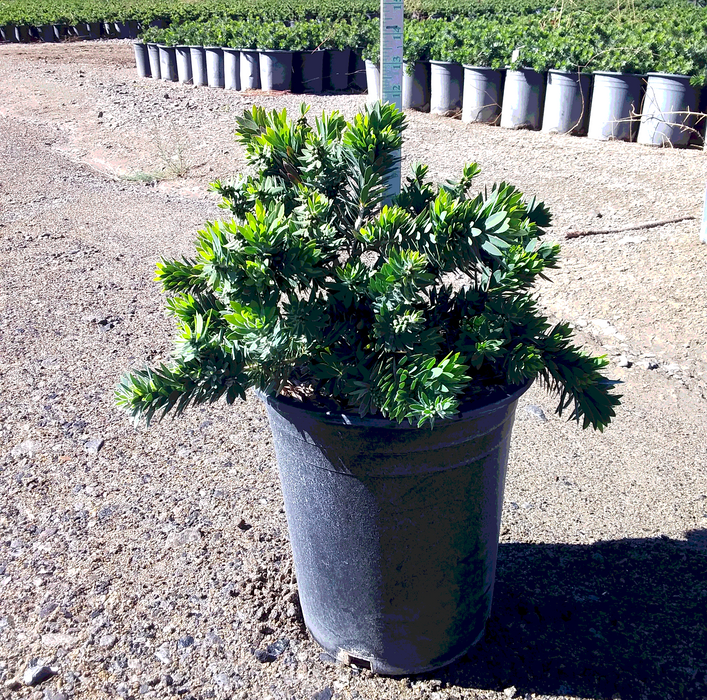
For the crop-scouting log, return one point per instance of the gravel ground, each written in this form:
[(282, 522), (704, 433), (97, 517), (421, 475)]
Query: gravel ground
[(156, 564)]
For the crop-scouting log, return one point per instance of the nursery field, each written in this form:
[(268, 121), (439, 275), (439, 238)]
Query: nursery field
[(640, 36), (156, 563)]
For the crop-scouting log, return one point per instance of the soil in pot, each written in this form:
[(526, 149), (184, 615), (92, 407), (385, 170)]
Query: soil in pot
[(446, 81), (566, 102), (666, 118), (616, 98), (523, 95), (482, 95), (275, 70), (416, 86), (394, 529)]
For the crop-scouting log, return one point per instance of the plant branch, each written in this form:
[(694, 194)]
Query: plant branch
[(637, 227)]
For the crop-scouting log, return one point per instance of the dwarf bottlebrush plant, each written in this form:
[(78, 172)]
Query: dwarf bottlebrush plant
[(317, 289)]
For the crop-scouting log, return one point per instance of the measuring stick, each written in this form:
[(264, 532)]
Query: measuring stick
[(391, 58)]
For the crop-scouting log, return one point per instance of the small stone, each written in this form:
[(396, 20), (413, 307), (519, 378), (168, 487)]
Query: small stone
[(672, 368), (630, 239), (13, 684), (623, 361), (100, 115), (47, 609), (537, 412), (93, 446), (510, 691), (278, 648), (648, 364), (263, 656), (58, 640), (328, 659), (27, 448), (34, 675), (122, 690), (223, 680), (107, 641), (183, 538), (326, 694), (243, 525), (163, 656), (185, 641)]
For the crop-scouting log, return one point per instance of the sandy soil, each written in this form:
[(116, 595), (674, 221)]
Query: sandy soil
[(122, 563)]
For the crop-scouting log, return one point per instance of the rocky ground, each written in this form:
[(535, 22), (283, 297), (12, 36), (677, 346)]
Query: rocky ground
[(156, 564)]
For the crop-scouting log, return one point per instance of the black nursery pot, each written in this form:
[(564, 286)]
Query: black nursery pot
[(394, 529)]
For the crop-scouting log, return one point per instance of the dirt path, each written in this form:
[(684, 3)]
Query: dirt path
[(121, 563)]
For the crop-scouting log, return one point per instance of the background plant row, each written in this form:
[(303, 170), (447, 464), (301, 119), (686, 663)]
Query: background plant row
[(663, 42), (650, 36), (38, 12)]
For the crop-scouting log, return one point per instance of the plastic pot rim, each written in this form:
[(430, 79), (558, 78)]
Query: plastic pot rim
[(572, 73), (614, 73), (670, 76), (444, 63), (486, 69), (525, 70), (502, 396)]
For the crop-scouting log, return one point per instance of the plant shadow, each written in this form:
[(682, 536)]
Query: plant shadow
[(624, 618)]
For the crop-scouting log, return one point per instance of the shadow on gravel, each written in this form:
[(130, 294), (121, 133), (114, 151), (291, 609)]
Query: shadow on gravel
[(626, 617)]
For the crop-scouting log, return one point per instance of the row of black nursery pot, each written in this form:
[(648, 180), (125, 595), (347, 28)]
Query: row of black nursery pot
[(128, 29), (252, 69), (657, 109)]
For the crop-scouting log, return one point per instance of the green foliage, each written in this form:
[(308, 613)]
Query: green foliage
[(639, 36), (407, 309)]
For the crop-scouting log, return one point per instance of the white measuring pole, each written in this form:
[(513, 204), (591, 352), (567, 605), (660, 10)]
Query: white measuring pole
[(391, 58), (703, 231)]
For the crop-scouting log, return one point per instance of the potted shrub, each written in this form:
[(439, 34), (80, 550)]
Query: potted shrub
[(482, 55), (275, 42), (307, 39), (416, 66), (446, 75), (341, 37), (618, 74), (524, 89), (390, 345), (672, 92), (150, 37), (240, 35)]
